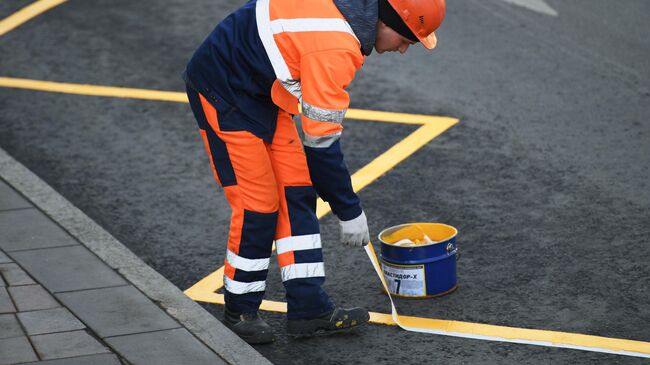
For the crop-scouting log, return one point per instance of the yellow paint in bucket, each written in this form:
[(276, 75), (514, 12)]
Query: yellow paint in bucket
[(418, 234)]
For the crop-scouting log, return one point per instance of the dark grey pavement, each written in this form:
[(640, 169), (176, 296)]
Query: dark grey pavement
[(62, 304), (546, 176)]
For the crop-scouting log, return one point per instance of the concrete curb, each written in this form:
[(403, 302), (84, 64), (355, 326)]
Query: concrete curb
[(191, 315)]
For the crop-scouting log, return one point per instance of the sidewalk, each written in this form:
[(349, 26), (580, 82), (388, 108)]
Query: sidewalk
[(71, 294)]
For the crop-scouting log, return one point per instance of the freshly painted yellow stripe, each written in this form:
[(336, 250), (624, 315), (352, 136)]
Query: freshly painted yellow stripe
[(25, 14), (525, 335), (93, 90)]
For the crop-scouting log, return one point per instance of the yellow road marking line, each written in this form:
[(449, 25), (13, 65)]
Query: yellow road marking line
[(93, 90), (390, 117), (207, 285), (25, 14)]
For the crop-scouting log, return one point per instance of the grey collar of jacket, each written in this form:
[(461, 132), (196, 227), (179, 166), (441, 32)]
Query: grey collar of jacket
[(362, 15)]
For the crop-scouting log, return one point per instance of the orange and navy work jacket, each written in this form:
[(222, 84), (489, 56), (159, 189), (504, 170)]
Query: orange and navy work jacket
[(281, 54)]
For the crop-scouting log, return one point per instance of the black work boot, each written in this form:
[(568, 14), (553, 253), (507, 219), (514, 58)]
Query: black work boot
[(338, 320), (249, 326)]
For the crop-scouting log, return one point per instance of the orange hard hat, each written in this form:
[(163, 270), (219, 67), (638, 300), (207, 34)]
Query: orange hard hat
[(422, 17)]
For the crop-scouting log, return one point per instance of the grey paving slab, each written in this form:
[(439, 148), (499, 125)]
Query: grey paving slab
[(67, 344), (192, 315), (2, 282), (176, 346), (10, 199), (102, 359), (29, 228), (4, 258), (32, 297), (117, 311), (6, 305), (14, 275), (49, 321), (16, 350), (9, 326), (67, 268)]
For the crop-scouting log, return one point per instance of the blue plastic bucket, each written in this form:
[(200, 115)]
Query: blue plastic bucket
[(422, 270)]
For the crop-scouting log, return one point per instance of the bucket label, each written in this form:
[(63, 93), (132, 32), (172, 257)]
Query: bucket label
[(405, 280)]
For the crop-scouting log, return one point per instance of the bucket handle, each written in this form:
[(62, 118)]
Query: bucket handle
[(451, 248)]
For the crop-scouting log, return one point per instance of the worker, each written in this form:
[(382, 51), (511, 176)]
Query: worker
[(245, 83)]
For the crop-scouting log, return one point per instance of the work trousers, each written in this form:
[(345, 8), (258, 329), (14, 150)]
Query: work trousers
[(272, 198)]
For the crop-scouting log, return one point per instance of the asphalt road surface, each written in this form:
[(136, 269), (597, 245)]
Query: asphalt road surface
[(546, 176)]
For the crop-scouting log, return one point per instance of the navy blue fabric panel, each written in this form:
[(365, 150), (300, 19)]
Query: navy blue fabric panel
[(232, 70), (307, 256), (218, 150), (257, 234), (250, 276), (243, 303), (306, 298), (221, 159), (331, 179), (301, 203), (197, 108)]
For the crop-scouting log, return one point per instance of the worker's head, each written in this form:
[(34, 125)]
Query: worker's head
[(405, 22)]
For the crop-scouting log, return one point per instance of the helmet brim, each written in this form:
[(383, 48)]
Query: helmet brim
[(430, 41)]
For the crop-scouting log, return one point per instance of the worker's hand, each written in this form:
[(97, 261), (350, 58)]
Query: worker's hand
[(355, 231)]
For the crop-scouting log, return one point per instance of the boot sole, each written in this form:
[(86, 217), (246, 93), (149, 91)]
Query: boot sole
[(319, 330), (257, 340), (254, 339)]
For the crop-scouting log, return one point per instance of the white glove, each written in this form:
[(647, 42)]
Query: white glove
[(355, 231)]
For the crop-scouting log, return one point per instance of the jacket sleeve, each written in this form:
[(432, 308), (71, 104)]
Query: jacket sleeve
[(324, 77)]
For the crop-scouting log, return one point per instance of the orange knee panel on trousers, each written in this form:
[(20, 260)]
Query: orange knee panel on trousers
[(256, 186)]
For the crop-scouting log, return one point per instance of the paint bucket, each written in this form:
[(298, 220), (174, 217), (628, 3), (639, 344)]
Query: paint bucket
[(424, 269)]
